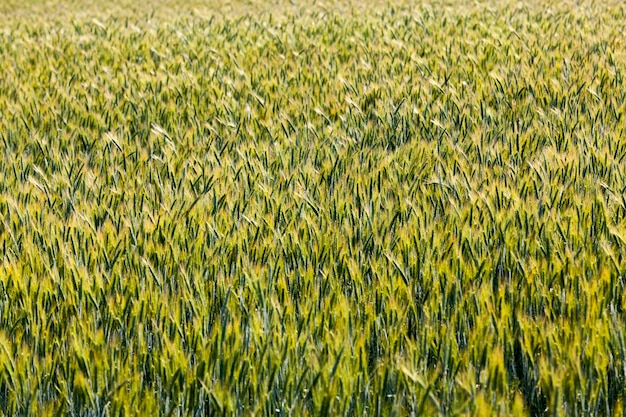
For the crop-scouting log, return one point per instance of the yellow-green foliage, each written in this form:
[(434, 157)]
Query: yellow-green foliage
[(335, 209)]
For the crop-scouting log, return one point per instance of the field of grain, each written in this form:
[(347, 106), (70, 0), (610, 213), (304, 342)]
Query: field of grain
[(344, 208)]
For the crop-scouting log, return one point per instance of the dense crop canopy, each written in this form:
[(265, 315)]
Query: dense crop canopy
[(312, 210)]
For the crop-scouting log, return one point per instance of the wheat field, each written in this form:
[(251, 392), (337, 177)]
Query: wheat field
[(338, 208)]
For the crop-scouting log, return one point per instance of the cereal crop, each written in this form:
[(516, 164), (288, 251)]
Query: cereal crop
[(312, 209)]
